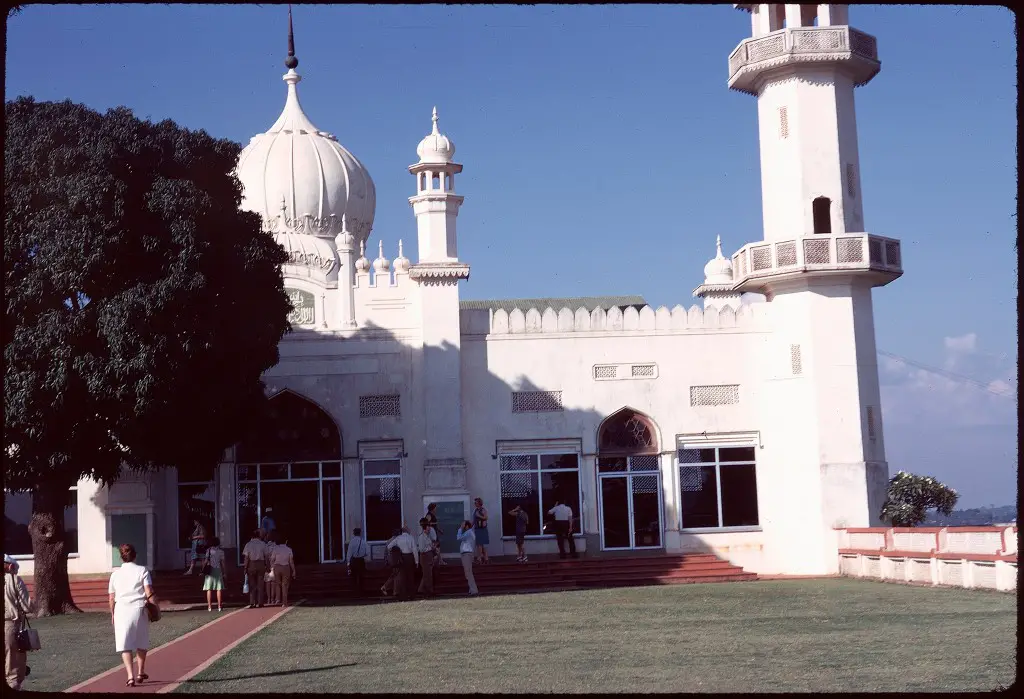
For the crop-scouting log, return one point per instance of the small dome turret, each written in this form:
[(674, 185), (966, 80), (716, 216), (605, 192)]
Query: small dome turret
[(401, 263), (362, 264), (381, 264), (436, 147), (719, 269)]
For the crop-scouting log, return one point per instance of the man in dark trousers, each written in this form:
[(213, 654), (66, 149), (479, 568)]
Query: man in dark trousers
[(355, 559), (563, 528)]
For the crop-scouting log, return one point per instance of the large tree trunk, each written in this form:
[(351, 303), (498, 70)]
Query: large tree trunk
[(51, 586)]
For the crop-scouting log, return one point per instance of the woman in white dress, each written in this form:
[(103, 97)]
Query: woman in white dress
[(130, 588)]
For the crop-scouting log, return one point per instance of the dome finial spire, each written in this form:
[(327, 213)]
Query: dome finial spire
[(718, 247), (434, 119), (291, 62)]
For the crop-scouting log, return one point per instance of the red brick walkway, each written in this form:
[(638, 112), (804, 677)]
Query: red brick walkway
[(174, 662)]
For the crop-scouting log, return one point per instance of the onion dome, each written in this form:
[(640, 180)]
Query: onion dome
[(381, 264), (436, 147), (362, 264), (401, 263), (320, 180), (718, 270)]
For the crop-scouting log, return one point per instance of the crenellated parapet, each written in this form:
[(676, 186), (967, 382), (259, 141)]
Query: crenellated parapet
[(614, 320)]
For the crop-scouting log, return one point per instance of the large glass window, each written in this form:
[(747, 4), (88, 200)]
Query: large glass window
[(197, 502), (382, 498), (536, 482), (18, 514), (718, 487)]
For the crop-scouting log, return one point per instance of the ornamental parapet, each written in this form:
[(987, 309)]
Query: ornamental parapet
[(857, 51), (766, 261)]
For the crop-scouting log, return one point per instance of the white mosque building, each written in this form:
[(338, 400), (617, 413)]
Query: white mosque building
[(747, 430)]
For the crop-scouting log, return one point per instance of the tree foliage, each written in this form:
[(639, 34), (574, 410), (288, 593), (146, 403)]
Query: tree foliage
[(910, 496), (141, 305)]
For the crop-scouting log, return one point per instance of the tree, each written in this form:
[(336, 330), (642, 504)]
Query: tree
[(910, 496), (142, 307)]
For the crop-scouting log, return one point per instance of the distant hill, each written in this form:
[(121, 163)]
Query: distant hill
[(974, 517)]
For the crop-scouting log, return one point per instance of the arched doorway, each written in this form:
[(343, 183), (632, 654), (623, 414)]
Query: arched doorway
[(629, 482), (289, 468)]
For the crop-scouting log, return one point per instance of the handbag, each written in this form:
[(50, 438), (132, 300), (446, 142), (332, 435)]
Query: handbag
[(26, 637), (153, 611), (207, 569), (245, 585)]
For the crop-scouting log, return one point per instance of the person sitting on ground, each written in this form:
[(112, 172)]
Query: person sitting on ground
[(216, 577), (283, 561)]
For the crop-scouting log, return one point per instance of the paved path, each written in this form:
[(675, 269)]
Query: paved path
[(186, 656)]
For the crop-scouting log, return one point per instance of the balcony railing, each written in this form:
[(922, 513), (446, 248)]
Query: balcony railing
[(804, 44), (818, 253)]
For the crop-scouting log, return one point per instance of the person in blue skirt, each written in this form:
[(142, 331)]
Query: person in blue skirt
[(480, 529)]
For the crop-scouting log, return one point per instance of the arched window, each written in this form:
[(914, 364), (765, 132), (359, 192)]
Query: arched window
[(292, 429), (821, 209), (436, 182), (627, 432)]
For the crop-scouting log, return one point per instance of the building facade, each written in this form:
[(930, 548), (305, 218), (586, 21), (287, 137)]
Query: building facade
[(751, 430)]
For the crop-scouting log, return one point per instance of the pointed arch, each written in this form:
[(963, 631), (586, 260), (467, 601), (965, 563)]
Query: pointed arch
[(293, 428), (627, 432)]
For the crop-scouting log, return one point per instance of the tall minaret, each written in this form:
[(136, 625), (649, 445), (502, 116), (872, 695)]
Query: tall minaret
[(803, 63), (438, 272), (820, 404)]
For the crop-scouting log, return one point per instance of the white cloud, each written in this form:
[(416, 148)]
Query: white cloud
[(964, 344)]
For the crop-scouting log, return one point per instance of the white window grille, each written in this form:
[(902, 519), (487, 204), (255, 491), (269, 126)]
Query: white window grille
[(783, 122), (723, 394), (816, 252), (625, 372), (875, 251), (851, 186), (761, 257), (380, 406), (892, 253), (849, 250), (605, 372), (643, 371), (785, 254), (871, 422), (537, 401), (795, 360)]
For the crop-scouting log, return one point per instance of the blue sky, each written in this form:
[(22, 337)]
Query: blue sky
[(603, 152)]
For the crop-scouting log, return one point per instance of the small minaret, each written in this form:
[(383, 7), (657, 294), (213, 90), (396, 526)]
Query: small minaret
[(436, 204), (345, 242), (803, 62), (717, 289), (437, 273)]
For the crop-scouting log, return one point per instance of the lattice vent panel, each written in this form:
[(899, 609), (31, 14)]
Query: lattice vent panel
[(768, 47), (517, 462), (849, 250), (725, 394), (892, 254), (796, 363), (820, 40), (851, 180), (816, 252), (761, 258), (380, 406), (536, 401), (783, 122), (785, 254), (875, 251), (643, 371), (605, 372), (871, 422)]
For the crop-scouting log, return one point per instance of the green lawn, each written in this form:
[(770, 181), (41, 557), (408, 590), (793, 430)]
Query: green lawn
[(771, 636), (79, 646)]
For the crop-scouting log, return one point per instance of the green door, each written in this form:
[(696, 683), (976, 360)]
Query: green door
[(450, 516), (128, 529)]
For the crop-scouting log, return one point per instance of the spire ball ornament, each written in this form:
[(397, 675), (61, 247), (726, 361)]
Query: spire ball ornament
[(291, 62)]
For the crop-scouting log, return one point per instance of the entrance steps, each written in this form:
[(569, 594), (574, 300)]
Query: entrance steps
[(330, 583)]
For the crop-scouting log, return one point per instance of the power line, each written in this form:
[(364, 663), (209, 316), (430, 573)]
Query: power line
[(947, 374)]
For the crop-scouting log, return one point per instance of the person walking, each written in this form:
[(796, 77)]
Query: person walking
[(480, 517), (282, 559), (216, 577), (393, 559), (467, 546), (197, 543), (522, 522), (355, 560), (269, 579), (431, 517), (410, 559), (563, 528), (267, 524), (131, 587), (425, 544), (254, 557), (17, 606)]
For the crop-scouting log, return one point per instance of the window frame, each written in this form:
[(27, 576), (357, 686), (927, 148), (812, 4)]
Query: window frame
[(536, 455), (31, 556), (177, 501), (362, 489), (718, 464)]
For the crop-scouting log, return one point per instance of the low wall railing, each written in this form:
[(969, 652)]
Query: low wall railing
[(969, 557)]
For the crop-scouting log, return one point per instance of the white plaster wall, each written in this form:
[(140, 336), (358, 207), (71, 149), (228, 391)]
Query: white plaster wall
[(811, 161)]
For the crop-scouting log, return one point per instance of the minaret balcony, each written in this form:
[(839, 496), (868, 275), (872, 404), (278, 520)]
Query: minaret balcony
[(860, 254), (855, 50)]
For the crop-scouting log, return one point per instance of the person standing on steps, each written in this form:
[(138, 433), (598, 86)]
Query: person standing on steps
[(17, 606), (215, 577), (198, 545), (267, 524), (282, 560), (522, 522), (393, 559), (254, 556), (425, 545), (131, 587), (480, 517), (563, 528), (467, 548), (431, 518), (355, 560), (405, 587)]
